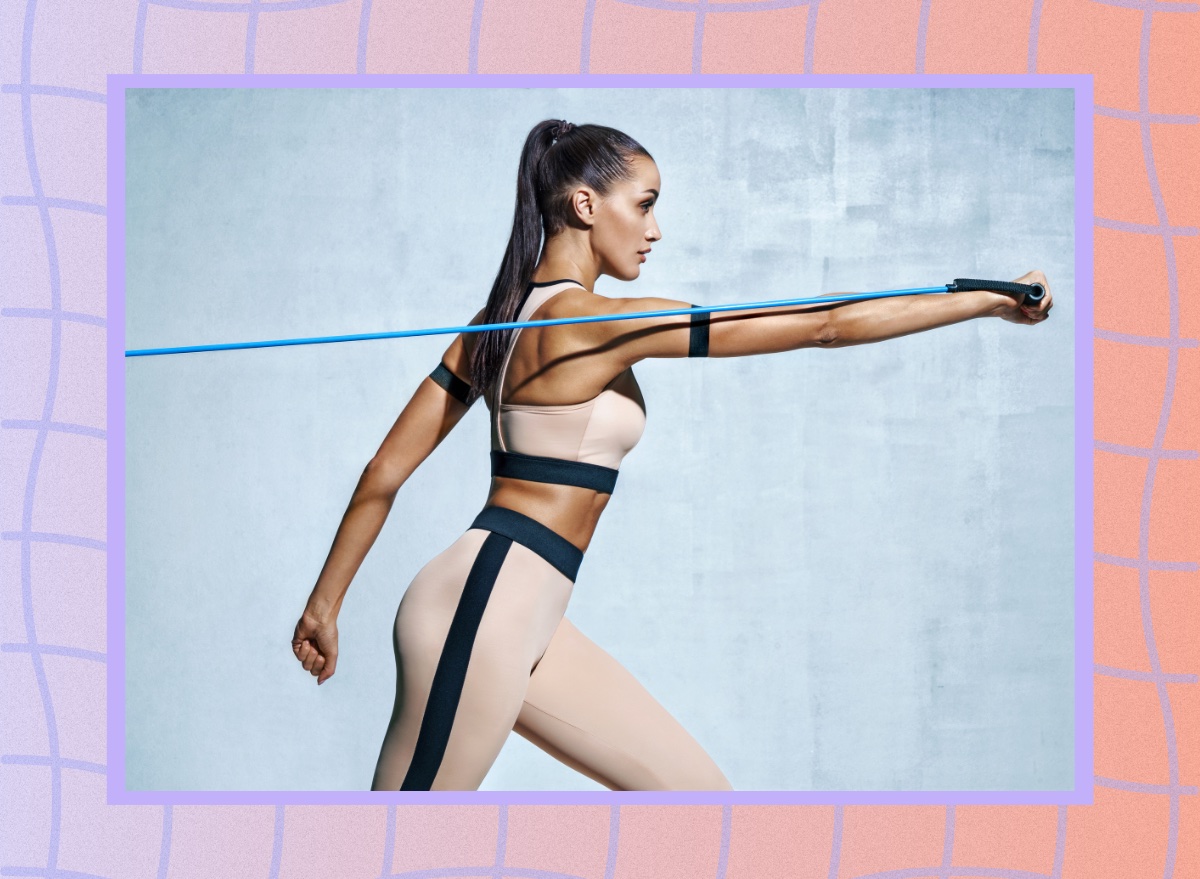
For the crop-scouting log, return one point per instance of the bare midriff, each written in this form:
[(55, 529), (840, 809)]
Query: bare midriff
[(568, 510)]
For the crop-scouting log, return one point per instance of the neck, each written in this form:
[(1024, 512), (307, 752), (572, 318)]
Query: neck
[(564, 256)]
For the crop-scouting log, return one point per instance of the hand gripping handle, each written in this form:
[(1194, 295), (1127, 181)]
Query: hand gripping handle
[(1033, 293)]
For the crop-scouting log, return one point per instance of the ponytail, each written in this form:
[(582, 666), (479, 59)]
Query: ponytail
[(557, 157)]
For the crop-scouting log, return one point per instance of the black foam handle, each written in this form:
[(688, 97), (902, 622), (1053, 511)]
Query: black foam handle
[(1033, 292)]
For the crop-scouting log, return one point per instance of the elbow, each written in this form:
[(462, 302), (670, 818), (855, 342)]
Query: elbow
[(382, 478), (828, 336)]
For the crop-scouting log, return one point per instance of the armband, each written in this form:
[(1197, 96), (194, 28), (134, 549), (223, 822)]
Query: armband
[(453, 385), (698, 340)]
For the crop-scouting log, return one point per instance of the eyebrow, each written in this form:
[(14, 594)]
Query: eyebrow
[(655, 191)]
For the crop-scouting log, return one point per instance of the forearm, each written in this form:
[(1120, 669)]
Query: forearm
[(873, 320), (363, 520)]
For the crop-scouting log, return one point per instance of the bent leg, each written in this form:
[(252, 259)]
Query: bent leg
[(588, 711), (470, 627)]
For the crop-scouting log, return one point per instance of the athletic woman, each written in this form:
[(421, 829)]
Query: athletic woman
[(482, 643)]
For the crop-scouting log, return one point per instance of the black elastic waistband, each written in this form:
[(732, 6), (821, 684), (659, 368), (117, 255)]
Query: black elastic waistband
[(549, 544)]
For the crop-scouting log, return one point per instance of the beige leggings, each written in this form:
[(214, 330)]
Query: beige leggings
[(483, 648)]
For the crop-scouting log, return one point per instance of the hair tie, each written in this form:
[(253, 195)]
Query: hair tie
[(563, 127)]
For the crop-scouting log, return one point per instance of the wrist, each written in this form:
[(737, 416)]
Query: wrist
[(322, 608), (994, 302)]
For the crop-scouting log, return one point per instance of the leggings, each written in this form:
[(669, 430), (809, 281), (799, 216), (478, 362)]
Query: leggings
[(483, 648)]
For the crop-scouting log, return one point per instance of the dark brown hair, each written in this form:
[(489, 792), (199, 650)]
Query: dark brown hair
[(551, 166)]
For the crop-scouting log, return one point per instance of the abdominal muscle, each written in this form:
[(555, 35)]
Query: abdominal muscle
[(568, 510)]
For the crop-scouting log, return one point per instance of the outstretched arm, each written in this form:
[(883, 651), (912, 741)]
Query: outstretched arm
[(785, 328), (872, 320), (432, 412)]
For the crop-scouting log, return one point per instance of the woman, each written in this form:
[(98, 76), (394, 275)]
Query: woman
[(481, 640)]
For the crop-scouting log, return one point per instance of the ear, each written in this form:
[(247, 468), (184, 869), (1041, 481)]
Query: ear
[(584, 202)]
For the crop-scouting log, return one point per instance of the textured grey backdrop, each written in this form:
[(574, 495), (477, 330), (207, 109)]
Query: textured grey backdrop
[(847, 569)]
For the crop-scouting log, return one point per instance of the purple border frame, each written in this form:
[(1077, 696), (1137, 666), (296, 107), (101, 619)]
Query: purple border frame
[(1082, 794)]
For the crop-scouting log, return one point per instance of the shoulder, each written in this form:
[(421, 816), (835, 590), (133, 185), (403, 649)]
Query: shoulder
[(582, 303), (467, 340), (578, 302), (630, 339)]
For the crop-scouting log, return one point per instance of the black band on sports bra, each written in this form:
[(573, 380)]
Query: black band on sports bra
[(698, 340), (453, 385), (535, 468)]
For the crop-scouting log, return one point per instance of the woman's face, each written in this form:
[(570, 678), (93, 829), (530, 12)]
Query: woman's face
[(625, 226)]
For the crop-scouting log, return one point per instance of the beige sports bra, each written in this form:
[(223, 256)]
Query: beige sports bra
[(573, 444)]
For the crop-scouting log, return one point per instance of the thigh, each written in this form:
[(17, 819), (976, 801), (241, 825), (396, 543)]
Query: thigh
[(469, 629), (587, 710)]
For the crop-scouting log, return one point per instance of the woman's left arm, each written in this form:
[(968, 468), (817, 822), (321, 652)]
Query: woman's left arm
[(873, 320)]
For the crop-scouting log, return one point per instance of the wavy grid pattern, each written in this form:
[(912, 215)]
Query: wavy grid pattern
[(54, 821)]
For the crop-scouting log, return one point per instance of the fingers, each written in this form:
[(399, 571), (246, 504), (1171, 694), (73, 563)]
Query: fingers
[(330, 666), (1038, 313), (1032, 313), (315, 663), (1034, 277), (308, 655), (315, 647)]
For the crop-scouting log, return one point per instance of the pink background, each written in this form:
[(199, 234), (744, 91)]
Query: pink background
[(54, 57)]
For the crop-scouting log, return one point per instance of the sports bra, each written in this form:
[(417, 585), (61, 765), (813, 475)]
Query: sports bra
[(579, 444)]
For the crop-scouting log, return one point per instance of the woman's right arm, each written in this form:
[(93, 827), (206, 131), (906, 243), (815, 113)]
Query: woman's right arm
[(784, 328), (435, 409), (429, 416)]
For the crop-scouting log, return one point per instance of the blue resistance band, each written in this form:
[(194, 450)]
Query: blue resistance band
[(1033, 294)]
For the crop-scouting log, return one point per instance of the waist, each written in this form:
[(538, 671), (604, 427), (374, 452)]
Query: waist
[(527, 531), (569, 511)]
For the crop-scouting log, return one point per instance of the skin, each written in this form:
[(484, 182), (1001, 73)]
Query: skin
[(572, 363)]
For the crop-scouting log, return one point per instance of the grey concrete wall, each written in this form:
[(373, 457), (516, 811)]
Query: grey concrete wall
[(842, 569)]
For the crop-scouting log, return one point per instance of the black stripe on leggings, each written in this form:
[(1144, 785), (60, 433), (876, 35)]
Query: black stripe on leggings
[(451, 672), (698, 337)]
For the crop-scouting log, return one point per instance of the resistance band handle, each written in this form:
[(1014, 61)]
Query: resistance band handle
[(1033, 292)]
